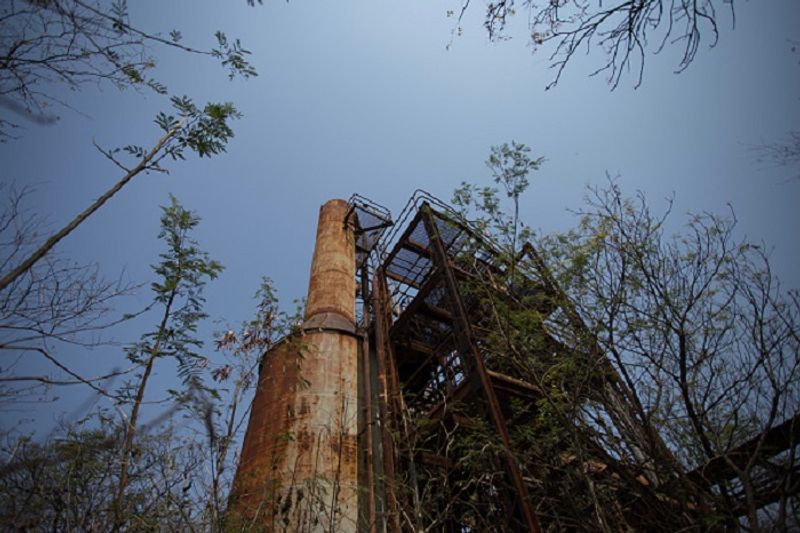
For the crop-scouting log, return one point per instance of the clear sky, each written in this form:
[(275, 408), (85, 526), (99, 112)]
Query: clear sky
[(363, 96)]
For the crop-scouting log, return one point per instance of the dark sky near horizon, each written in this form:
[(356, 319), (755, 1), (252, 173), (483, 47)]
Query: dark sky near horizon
[(364, 97)]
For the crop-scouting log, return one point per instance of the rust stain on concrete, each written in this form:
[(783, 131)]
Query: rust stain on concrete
[(298, 467)]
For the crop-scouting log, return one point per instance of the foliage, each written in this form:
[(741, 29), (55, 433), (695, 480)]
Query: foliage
[(663, 354), (205, 132), (46, 298), (68, 484), (125, 474), (510, 166), (243, 353), (75, 43), (182, 275), (697, 324), (783, 153), (179, 475), (625, 32), (56, 304), (182, 272)]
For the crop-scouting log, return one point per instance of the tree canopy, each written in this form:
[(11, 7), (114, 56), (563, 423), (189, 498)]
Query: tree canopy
[(75, 43), (623, 32)]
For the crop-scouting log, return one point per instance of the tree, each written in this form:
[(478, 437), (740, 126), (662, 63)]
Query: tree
[(177, 476), (72, 43), (75, 43), (55, 302), (704, 332), (68, 484), (703, 338), (510, 165), (204, 131), (624, 31), (45, 298), (183, 272), (243, 351), (785, 153)]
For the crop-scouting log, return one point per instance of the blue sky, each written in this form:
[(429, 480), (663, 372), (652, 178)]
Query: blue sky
[(364, 97)]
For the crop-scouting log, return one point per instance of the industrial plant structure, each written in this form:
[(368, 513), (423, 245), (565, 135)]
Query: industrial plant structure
[(403, 405)]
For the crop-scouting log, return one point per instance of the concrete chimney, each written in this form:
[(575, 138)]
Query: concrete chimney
[(298, 468)]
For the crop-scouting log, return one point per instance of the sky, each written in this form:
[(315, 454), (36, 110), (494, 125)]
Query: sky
[(366, 97)]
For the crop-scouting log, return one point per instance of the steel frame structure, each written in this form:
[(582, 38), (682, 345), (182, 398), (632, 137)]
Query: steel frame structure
[(424, 358), (457, 429)]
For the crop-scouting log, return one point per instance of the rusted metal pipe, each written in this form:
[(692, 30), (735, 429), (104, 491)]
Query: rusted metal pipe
[(366, 376), (381, 320)]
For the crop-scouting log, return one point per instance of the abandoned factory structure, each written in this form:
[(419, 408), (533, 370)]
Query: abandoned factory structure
[(416, 396)]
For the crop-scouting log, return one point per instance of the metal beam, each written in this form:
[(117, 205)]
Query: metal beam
[(463, 336), (366, 375), (380, 309), (766, 444)]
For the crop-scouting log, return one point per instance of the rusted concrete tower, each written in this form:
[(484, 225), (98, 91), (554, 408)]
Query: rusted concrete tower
[(298, 469)]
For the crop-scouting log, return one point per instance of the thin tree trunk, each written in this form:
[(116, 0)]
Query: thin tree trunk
[(66, 230), (221, 456), (130, 429)]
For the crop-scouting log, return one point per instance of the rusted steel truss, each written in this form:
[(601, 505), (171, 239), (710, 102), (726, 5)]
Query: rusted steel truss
[(434, 375), (431, 333), (467, 345)]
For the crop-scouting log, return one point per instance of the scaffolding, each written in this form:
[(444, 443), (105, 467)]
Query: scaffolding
[(452, 433)]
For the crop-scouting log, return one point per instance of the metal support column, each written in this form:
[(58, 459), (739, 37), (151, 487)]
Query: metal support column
[(466, 344)]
